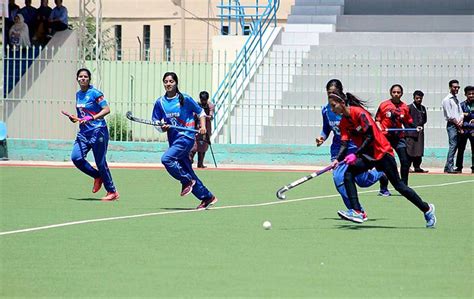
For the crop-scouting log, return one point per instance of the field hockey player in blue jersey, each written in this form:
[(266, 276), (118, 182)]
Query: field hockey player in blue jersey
[(177, 109), (91, 108), (331, 124)]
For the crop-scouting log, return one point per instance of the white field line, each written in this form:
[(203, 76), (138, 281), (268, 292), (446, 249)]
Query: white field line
[(194, 211)]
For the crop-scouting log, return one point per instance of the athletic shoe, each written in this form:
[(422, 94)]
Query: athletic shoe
[(430, 217), (97, 185), (111, 196), (384, 193), (420, 170), (205, 204), (452, 171), (364, 216), (188, 188), (351, 215)]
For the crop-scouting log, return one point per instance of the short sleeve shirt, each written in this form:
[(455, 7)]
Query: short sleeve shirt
[(89, 103), (355, 128), (392, 115), (171, 112)]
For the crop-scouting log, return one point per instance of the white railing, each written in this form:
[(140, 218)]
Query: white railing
[(280, 105)]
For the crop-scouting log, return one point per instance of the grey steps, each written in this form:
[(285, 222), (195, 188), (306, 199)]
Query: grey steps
[(319, 2), (311, 10), (299, 19), (405, 23), (403, 39)]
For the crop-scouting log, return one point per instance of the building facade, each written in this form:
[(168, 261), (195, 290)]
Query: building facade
[(167, 27)]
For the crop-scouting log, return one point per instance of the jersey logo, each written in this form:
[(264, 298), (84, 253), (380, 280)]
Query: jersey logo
[(173, 114), (99, 99)]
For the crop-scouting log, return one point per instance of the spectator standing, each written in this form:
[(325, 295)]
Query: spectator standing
[(394, 114), (454, 118), (12, 12), (58, 19), (202, 141), (18, 35), (44, 11), (467, 129), (416, 140), (29, 14)]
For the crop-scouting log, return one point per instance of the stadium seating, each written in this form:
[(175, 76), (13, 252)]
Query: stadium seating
[(368, 53)]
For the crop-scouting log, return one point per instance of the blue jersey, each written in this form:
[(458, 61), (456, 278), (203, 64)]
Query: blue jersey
[(171, 112), (331, 122), (90, 103)]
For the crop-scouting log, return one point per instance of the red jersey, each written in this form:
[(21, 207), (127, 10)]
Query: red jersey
[(392, 115), (355, 128)]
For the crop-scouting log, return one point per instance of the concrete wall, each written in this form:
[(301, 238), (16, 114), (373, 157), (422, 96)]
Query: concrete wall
[(37, 107), (141, 152)]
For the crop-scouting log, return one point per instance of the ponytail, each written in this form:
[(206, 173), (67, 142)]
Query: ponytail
[(180, 96), (349, 99), (352, 100)]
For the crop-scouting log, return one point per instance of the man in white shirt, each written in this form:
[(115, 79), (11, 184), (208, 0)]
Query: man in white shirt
[(454, 116)]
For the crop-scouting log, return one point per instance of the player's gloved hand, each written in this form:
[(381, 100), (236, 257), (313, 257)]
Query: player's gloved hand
[(335, 164), (73, 118), (319, 140), (85, 119), (202, 130), (350, 159), (165, 128)]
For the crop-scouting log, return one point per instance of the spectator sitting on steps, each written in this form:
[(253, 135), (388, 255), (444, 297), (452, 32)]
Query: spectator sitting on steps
[(58, 20), (19, 34)]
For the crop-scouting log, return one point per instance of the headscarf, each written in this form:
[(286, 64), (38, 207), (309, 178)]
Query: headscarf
[(19, 34)]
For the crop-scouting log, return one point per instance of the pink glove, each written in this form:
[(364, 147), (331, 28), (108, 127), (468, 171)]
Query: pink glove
[(350, 159), (86, 119)]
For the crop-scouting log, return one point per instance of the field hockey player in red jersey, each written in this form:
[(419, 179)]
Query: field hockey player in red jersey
[(395, 114), (374, 150)]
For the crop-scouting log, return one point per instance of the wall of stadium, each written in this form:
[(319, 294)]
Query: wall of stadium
[(150, 152)]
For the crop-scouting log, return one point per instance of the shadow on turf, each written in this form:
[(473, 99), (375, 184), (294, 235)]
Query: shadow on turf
[(349, 226), (370, 219), (86, 199), (177, 209)]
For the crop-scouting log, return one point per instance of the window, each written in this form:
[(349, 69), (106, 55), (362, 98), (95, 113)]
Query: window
[(118, 42), (167, 42), (146, 41)]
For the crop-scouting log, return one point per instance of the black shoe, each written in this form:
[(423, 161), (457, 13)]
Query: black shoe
[(453, 171), (420, 170)]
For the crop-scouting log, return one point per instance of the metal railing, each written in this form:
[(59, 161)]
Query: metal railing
[(247, 60), (282, 104)]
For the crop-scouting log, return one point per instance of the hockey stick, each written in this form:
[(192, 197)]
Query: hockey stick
[(402, 130), (212, 153), (130, 116), (71, 117), (298, 182)]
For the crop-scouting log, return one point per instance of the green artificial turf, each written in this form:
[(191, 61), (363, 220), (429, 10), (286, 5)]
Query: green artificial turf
[(225, 252)]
